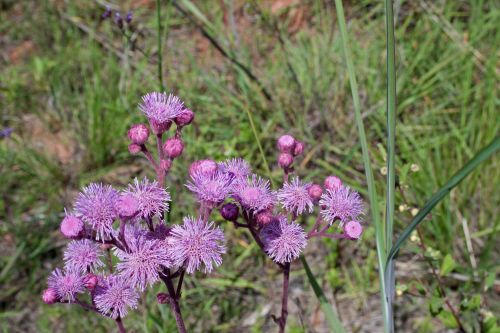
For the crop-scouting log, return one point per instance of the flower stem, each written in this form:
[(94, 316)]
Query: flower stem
[(284, 297), (174, 304), (119, 323), (159, 54)]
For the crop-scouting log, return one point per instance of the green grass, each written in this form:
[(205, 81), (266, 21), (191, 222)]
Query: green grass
[(446, 110)]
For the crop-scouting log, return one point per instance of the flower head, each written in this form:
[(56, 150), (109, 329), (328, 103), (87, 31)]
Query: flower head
[(83, 255), (151, 197), (254, 194), (141, 264), (237, 166), (295, 198), (95, 205), (340, 203), (49, 296), (212, 188), (66, 284), (283, 241), (72, 226), (127, 206), (160, 107), (115, 296), (207, 167), (353, 229), (195, 243)]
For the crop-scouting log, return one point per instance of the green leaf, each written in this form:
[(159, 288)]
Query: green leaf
[(448, 319), (447, 265), (331, 317), (435, 305)]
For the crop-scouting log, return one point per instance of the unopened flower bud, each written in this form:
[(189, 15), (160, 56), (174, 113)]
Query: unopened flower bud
[(107, 13), (127, 206), (134, 148), (333, 183), (129, 16), (162, 298), (299, 148), (72, 226), (119, 20), (90, 281), (285, 160), (165, 165), (185, 118), (138, 134), (49, 296), (230, 212), (264, 217), (206, 167), (353, 229), (173, 147), (315, 191), (159, 128), (286, 144)]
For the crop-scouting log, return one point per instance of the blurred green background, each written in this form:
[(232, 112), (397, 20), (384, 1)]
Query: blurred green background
[(69, 88)]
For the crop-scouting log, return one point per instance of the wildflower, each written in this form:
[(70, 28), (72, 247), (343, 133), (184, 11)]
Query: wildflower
[(127, 206), (237, 166), (211, 189), (90, 281), (285, 160), (72, 226), (185, 118), (115, 297), (6, 132), (286, 144), (315, 191), (196, 243), (82, 256), (151, 197), (283, 241), (95, 205), (49, 296), (341, 203), (332, 183), (229, 212), (299, 148), (162, 298), (353, 229), (207, 167), (254, 194), (128, 17), (134, 149), (141, 264), (66, 285), (107, 13), (161, 109), (138, 134), (295, 198), (173, 147), (119, 20), (264, 217)]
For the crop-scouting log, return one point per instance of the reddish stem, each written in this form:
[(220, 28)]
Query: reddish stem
[(174, 304), (119, 323), (284, 297)]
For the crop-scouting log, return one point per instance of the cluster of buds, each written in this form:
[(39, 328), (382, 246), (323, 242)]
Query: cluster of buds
[(130, 225), (119, 19)]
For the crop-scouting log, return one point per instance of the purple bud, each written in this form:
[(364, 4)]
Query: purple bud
[(107, 13), (118, 20), (285, 160), (230, 212), (165, 165), (264, 217), (299, 148), (173, 147), (353, 229), (315, 191), (129, 16), (127, 206), (138, 134), (185, 118), (134, 148), (162, 298), (49, 296), (332, 183), (72, 226), (206, 167), (159, 128), (286, 144), (90, 281)]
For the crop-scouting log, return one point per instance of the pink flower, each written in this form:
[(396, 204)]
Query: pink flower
[(340, 203), (66, 285), (95, 205), (49, 296), (72, 226), (151, 197), (83, 255), (254, 194), (196, 243), (141, 265), (283, 241), (353, 229), (295, 198), (114, 297), (211, 189), (160, 107), (236, 166)]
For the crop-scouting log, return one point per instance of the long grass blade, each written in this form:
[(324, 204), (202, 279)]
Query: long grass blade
[(480, 157), (391, 155), (372, 193), (330, 315)]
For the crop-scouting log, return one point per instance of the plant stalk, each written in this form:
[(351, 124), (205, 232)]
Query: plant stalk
[(284, 297)]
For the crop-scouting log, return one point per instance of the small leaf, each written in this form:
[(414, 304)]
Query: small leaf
[(435, 306), (448, 265), (448, 320)]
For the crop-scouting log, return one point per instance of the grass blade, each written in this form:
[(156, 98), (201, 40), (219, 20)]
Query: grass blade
[(389, 281), (372, 193), (480, 157), (330, 315)]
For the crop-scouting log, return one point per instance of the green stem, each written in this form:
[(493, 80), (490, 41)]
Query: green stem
[(160, 55)]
